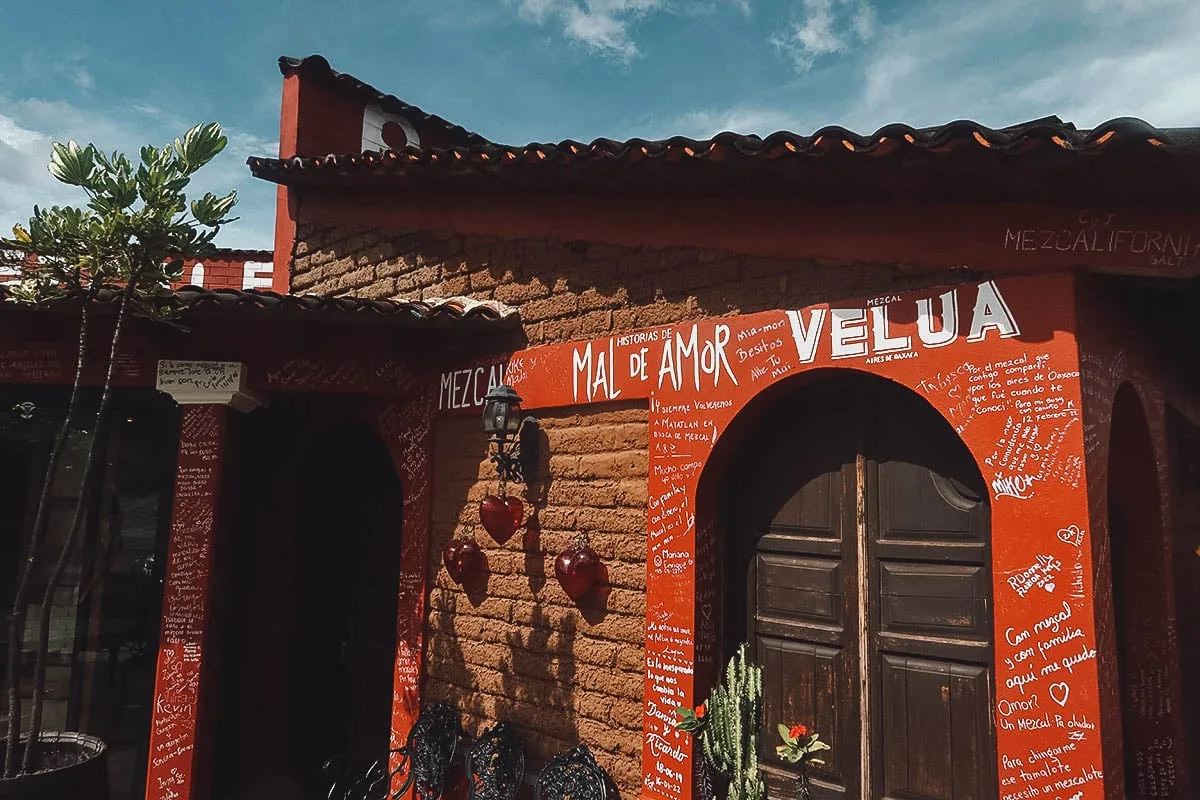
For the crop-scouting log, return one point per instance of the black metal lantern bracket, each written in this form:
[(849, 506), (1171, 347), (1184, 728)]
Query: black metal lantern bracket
[(516, 445)]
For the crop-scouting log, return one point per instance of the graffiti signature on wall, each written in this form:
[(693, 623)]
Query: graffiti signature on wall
[(998, 360)]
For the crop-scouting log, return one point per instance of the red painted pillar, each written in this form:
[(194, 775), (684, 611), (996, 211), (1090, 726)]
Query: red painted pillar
[(181, 730)]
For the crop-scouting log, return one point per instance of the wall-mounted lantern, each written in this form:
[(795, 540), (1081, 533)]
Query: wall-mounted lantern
[(513, 440)]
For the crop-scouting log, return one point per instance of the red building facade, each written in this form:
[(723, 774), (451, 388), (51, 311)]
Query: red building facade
[(912, 414), (971, 615), (230, 269)]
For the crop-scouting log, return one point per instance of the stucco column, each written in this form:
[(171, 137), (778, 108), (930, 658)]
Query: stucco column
[(181, 731)]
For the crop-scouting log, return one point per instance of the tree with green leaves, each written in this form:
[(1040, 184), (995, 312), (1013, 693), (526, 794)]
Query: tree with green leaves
[(130, 239)]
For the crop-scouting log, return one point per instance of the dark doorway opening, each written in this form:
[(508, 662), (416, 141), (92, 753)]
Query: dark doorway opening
[(857, 534), (1183, 443), (1147, 665), (314, 584)]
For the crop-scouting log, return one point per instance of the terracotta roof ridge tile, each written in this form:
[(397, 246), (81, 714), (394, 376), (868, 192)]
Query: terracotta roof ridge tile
[(238, 254), (1017, 139), (192, 298), (318, 66), (470, 306)]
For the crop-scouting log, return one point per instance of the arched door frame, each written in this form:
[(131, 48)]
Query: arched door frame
[(1035, 528), (404, 424), (722, 484), (998, 359)]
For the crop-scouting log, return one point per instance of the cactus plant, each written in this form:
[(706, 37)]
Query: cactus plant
[(728, 726)]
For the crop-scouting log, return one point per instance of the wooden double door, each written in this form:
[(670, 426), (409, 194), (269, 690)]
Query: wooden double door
[(861, 525)]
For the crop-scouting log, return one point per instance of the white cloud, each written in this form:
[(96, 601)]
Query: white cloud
[(28, 126), (863, 21), (1131, 6), (704, 123), (538, 10), (605, 26), (83, 79), (603, 31), (825, 27), (992, 62)]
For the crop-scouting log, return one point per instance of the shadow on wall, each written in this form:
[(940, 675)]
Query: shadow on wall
[(492, 650), (535, 680), (570, 290), (536, 494), (560, 672)]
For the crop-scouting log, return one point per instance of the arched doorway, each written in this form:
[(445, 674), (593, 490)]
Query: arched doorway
[(859, 570), (315, 589), (1147, 660), (348, 576)]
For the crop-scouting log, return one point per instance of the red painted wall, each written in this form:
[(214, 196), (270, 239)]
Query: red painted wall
[(230, 270), (1141, 691), (225, 269), (999, 360)]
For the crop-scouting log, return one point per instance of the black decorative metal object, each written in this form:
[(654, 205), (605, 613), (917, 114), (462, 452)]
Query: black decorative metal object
[(349, 781), (496, 764), (518, 462), (573, 775), (516, 439), (430, 750), (424, 761)]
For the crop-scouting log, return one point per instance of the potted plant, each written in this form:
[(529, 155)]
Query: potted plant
[(799, 745), (126, 244), (727, 726)]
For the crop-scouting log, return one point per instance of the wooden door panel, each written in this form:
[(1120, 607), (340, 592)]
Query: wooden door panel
[(936, 729), (814, 510), (806, 681), (946, 600), (925, 618), (930, 615), (803, 567), (801, 589), (915, 505)]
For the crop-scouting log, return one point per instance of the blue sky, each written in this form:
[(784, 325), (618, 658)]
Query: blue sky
[(522, 70)]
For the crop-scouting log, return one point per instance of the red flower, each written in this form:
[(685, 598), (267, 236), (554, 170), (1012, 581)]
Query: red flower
[(798, 731), (701, 711)]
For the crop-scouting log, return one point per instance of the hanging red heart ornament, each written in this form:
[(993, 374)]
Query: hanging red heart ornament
[(577, 568), (462, 558), (497, 517), (517, 509), (451, 560)]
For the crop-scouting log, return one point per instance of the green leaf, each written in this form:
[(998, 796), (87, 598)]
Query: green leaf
[(72, 164), (211, 210), (199, 145)]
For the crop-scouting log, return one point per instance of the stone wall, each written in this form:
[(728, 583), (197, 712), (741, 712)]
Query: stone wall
[(520, 650)]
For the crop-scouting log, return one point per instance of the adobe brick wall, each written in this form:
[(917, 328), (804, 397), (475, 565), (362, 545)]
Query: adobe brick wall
[(521, 651), (576, 290)]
